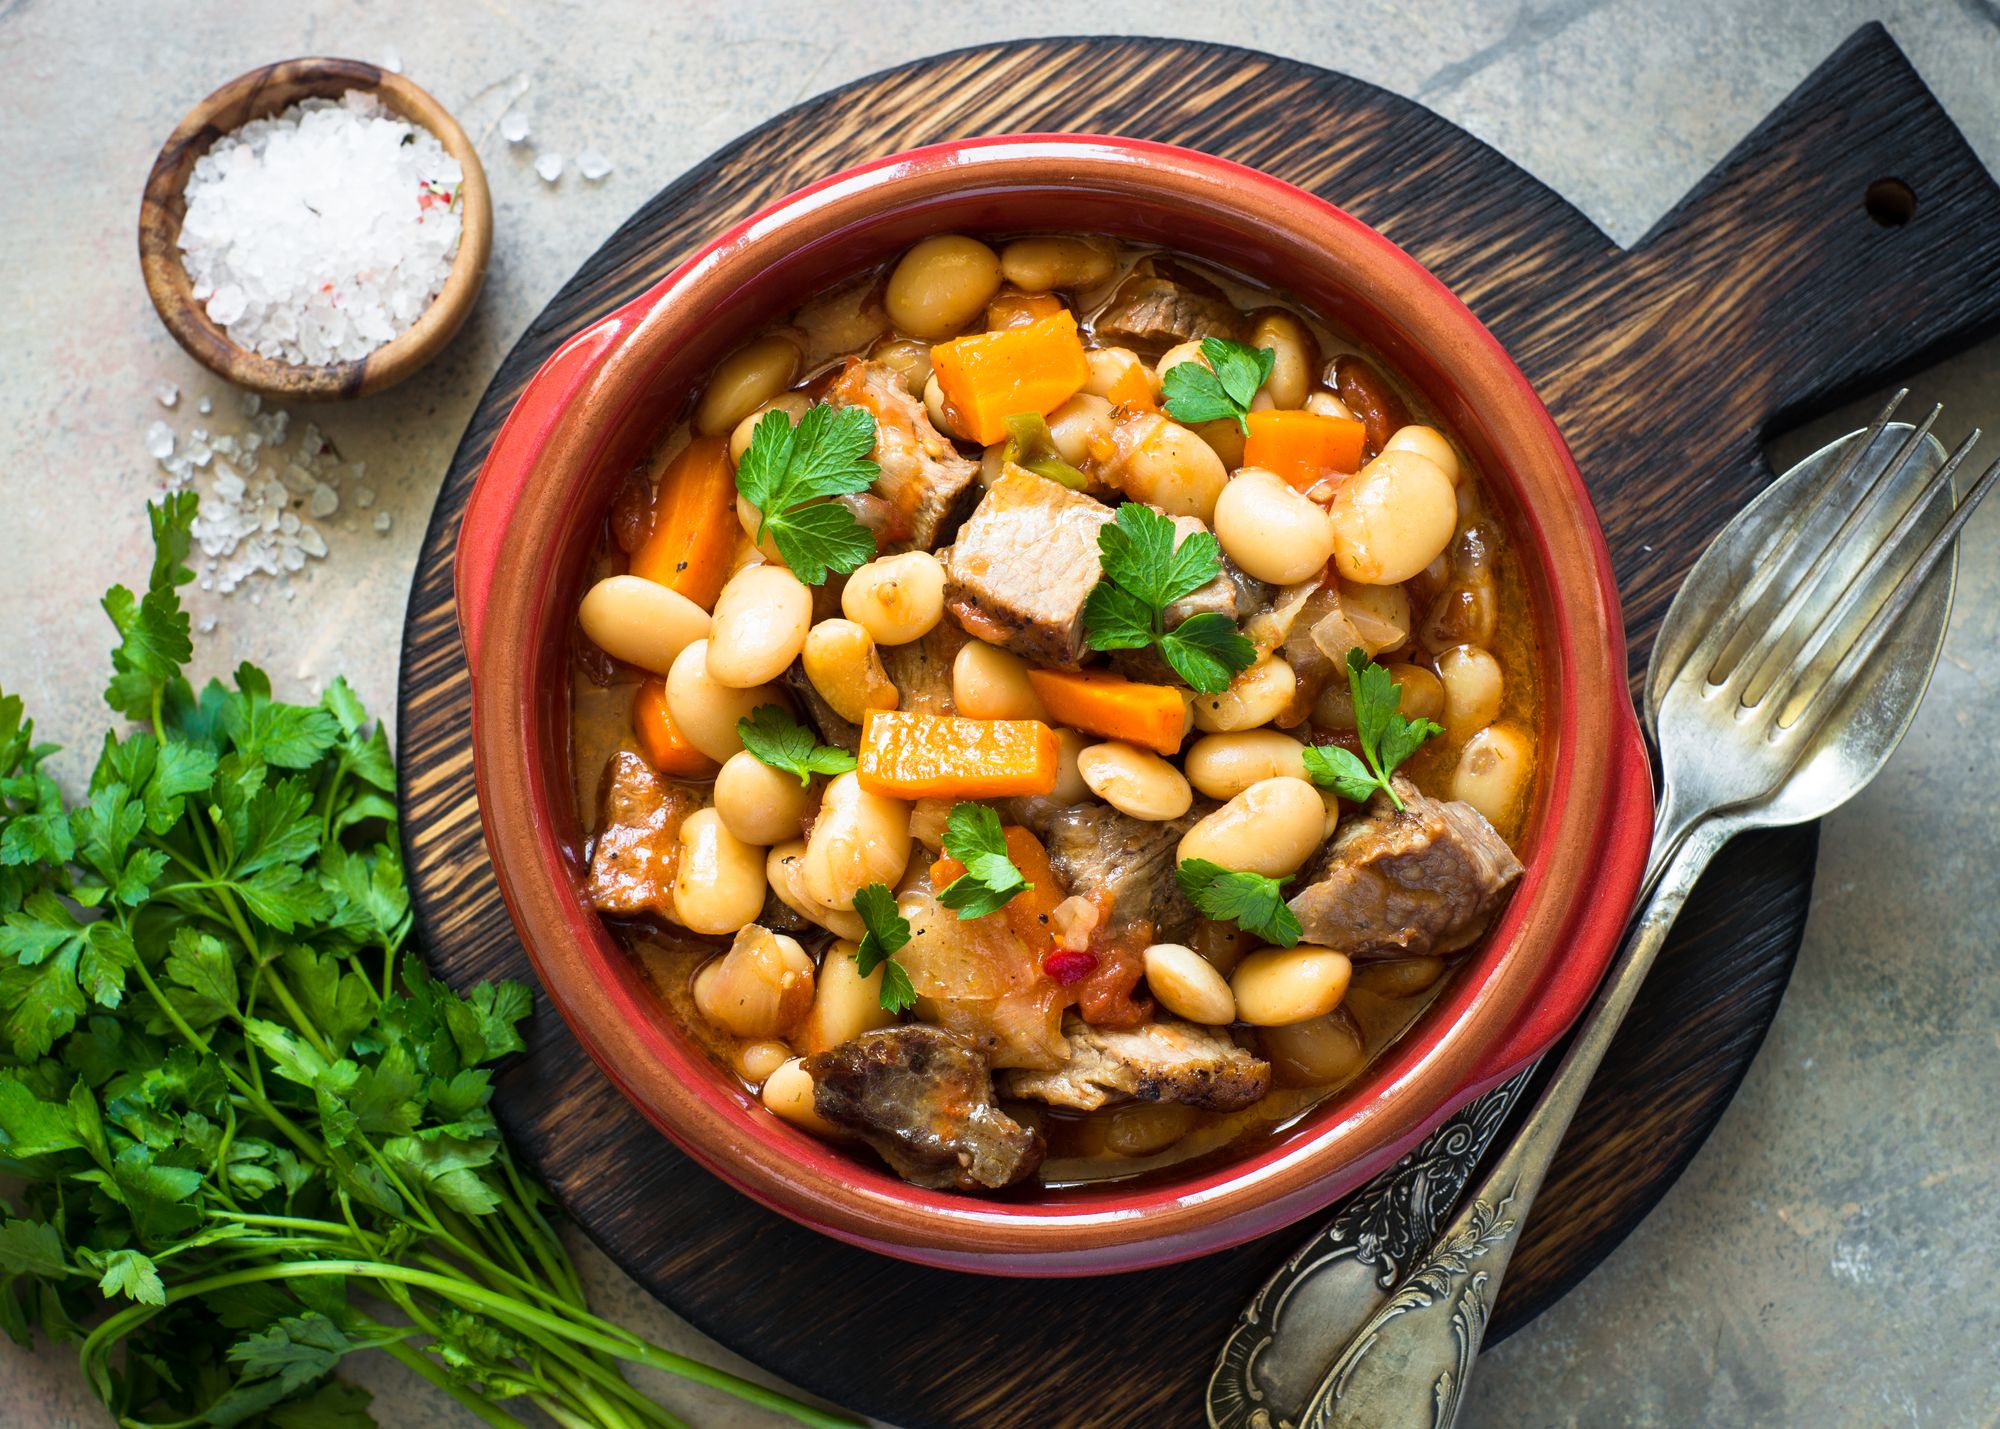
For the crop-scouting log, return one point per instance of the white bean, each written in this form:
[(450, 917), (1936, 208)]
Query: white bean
[(755, 1061), (1291, 372), (1081, 426), (1473, 689), (1255, 697), (759, 804), (1426, 442), (640, 622), (1319, 1052), (704, 709), (1398, 977), (1270, 530), (896, 599), (788, 1092), (1134, 781), (1174, 469), (941, 285), (1392, 518), (792, 404), (719, 879), (784, 870), (859, 838), (1423, 692), (1040, 265), (748, 518), (760, 625), (909, 357), (845, 1004), (1146, 1128), (1188, 985), (1173, 357), (934, 407), (1276, 986), (844, 666), (1224, 765), (744, 381), (1111, 366), (1328, 404), (1493, 772), (1070, 788), (990, 683), (1270, 828)]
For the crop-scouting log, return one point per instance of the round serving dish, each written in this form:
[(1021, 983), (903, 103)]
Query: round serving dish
[(259, 94), (597, 405)]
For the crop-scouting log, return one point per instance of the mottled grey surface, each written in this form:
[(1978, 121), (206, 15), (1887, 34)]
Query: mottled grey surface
[(1827, 1259)]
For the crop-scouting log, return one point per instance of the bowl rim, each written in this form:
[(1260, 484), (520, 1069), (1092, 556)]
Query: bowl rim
[(261, 92), (1598, 782)]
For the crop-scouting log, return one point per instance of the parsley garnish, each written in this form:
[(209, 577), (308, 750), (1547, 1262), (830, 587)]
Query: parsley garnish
[(787, 474), (972, 835), (1386, 738), (1224, 388), (1144, 573), (1252, 901), (888, 932), (780, 741)]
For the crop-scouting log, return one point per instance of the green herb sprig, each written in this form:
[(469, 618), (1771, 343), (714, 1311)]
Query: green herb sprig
[(1252, 901), (888, 933), (255, 1134), (771, 734), (1221, 390), (1385, 736), (788, 473), (973, 836), (1144, 573)]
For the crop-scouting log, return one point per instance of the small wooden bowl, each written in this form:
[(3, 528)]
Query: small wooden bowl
[(257, 95)]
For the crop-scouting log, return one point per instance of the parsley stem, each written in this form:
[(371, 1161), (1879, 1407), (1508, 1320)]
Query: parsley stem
[(425, 1366)]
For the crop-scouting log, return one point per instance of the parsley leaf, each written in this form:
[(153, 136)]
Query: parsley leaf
[(888, 933), (1222, 389), (1249, 900), (973, 836), (1144, 573), (788, 472), (1385, 736), (780, 741)]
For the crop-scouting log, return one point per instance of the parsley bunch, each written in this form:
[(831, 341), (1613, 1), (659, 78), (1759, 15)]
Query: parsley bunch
[(1385, 736), (1144, 573), (254, 1132), (1222, 389), (788, 473)]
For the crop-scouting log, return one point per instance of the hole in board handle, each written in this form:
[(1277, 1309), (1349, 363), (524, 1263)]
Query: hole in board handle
[(1890, 202)]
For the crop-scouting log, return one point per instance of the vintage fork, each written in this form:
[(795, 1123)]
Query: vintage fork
[(1767, 711)]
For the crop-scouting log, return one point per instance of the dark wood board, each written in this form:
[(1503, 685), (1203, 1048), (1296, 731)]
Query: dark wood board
[(1767, 294)]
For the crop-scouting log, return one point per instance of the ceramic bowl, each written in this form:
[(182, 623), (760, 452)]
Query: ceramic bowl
[(260, 94), (594, 408)]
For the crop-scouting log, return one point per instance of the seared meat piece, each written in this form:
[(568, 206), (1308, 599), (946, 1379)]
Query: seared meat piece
[(1392, 884), (1156, 311), (923, 1098), (1098, 852), (839, 733), (638, 838), (1024, 565), (1162, 1061), (921, 670), (928, 485)]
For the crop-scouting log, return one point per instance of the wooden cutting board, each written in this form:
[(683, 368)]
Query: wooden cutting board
[(1794, 275)]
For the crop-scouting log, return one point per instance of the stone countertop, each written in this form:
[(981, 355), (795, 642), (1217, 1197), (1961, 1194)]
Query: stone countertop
[(1826, 1259)]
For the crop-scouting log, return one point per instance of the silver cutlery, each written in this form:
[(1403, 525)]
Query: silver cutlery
[(1787, 670)]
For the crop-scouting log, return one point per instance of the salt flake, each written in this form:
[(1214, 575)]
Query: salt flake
[(593, 165), (168, 393), (549, 166), (514, 126)]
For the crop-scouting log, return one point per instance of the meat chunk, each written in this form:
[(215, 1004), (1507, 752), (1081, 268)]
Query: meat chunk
[(1158, 307), (929, 487), (1101, 854), (923, 1098), (1395, 884), (1024, 565), (1163, 1061), (921, 669), (638, 838)]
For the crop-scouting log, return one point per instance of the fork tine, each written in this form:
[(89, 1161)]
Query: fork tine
[(1764, 565), (1848, 667), (1759, 642)]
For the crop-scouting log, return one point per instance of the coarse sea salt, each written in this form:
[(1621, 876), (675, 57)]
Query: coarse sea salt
[(549, 166), (322, 233)]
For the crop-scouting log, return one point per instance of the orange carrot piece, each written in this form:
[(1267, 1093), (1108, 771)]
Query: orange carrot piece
[(1027, 912), (988, 377), (695, 529), (909, 755), (1154, 716), (1132, 388), (661, 741), (1304, 447)]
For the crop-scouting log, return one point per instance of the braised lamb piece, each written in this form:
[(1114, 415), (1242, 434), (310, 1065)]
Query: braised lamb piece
[(1023, 565), (928, 486), (633, 859), (1125, 862), (1155, 311), (1401, 883), (1166, 1060), (923, 1098)]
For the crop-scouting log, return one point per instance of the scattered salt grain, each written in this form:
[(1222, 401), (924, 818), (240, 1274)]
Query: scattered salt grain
[(593, 165), (159, 441), (204, 406), (549, 166), (207, 622), (168, 394), (514, 126), (365, 497), (320, 234), (325, 500), (381, 520)]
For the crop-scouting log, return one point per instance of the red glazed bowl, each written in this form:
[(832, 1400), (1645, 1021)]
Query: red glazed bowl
[(597, 405)]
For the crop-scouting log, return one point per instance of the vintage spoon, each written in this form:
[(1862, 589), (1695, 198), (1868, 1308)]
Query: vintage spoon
[(1781, 557)]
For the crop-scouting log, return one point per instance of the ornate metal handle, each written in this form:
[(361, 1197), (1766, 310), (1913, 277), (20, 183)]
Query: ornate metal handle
[(1410, 1362)]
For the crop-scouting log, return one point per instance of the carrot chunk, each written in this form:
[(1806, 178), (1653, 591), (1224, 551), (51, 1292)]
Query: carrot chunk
[(1303, 447), (1132, 388), (988, 377), (1027, 912), (909, 755), (695, 529), (661, 741), (1154, 716)]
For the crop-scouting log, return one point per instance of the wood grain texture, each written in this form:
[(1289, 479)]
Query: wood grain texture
[(1767, 293)]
